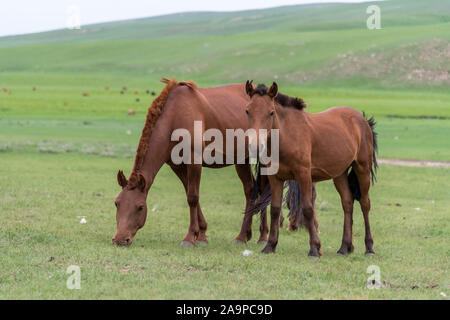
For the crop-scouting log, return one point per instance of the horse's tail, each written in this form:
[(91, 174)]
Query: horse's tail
[(373, 170), (293, 198), (261, 198), (352, 178)]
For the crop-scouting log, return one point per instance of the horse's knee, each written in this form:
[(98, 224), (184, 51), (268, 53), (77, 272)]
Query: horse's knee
[(275, 212), (308, 211), (192, 200)]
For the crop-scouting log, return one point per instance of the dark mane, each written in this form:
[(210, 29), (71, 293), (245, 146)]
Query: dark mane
[(154, 112), (282, 99)]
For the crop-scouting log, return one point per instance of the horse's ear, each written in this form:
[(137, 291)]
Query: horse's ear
[(249, 88), (121, 180), (273, 90), (141, 182)]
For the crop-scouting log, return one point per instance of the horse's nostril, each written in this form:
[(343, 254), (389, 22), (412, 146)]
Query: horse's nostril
[(128, 240)]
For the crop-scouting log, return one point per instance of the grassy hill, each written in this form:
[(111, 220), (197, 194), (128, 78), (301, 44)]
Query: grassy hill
[(299, 45), (65, 130)]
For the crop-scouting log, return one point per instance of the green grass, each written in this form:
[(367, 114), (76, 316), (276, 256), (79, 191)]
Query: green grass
[(60, 151), (43, 195)]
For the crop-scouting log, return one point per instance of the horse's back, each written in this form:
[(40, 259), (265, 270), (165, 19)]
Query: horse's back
[(338, 131), (219, 107)]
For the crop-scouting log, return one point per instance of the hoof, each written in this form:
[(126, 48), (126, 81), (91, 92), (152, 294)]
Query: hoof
[(262, 242), (202, 242), (313, 257), (268, 249), (187, 244), (239, 242), (345, 249), (370, 253)]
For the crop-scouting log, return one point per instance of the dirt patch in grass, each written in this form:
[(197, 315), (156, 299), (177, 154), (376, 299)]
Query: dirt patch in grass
[(415, 163)]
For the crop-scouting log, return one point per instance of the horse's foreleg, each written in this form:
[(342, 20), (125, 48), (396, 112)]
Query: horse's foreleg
[(193, 186), (305, 182), (276, 187), (342, 186), (181, 172), (244, 172)]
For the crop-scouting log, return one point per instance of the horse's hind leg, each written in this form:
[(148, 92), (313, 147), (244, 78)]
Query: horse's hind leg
[(263, 228), (363, 174), (244, 172), (342, 186)]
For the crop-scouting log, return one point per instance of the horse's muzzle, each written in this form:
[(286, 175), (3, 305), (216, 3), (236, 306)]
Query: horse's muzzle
[(126, 242)]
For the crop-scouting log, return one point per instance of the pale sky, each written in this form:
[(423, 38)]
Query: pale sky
[(29, 16)]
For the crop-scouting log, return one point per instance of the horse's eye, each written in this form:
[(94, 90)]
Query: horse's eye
[(272, 113), (246, 111), (116, 204), (141, 208)]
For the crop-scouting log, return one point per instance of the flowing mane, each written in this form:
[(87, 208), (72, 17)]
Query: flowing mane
[(154, 112), (282, 99)]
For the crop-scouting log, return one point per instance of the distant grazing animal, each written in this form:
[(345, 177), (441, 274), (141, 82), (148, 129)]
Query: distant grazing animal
[(85, 94), (153, 93), (178, 106), (313, 148), (131, 112)]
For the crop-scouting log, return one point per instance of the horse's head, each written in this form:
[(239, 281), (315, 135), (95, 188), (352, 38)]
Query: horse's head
[(131, 208), (261, 109)]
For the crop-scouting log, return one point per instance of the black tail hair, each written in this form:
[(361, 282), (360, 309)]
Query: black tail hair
[(352, 179), (354, 185), (373, 170), (261, 200), (293, 198)]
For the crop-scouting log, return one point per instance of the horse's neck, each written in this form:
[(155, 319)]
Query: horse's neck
[(283, 121), (157, 152)]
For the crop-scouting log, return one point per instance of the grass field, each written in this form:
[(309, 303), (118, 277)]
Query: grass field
[(60, 152), (43, 194)]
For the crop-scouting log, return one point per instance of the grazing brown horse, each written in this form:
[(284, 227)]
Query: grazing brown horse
[(178, 106), (313, 148)]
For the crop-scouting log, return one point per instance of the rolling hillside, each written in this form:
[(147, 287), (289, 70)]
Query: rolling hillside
[(305, 44)]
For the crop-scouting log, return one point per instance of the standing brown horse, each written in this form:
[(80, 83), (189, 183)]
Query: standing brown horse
[(313, 148), (178, 106)]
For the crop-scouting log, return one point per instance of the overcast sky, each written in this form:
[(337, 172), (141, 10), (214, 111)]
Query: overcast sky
[(27, 16)]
